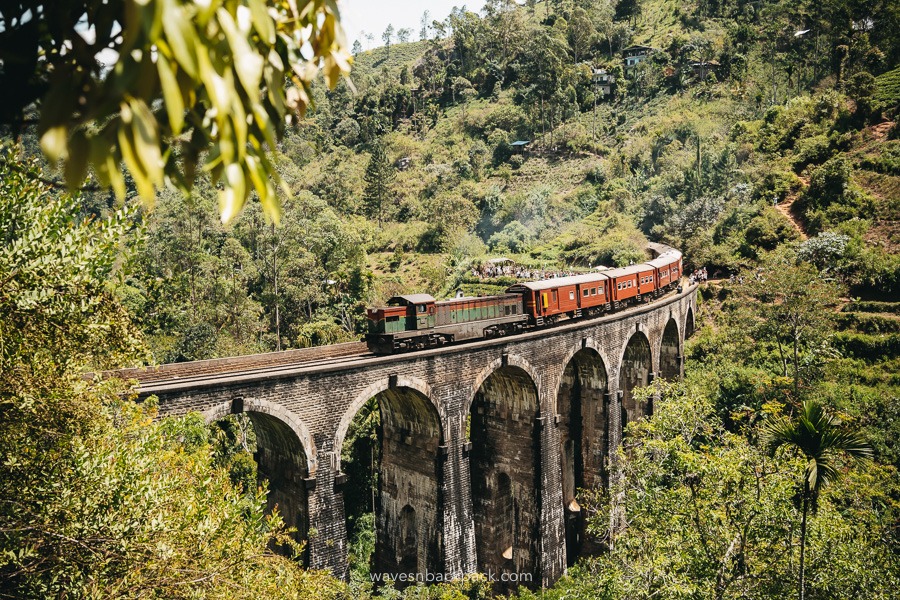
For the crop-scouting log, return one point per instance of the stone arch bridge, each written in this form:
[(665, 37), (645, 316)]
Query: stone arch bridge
[(483, 444)]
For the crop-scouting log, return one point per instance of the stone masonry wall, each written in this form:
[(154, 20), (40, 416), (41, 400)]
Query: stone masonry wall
[(317, 404)]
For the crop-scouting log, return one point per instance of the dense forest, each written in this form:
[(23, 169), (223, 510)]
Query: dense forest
[(759, 138)]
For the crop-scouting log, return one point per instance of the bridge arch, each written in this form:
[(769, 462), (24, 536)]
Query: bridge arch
[(505, 466), (670, 352), (689, 323), (258, 405), (375, 388), (635, 366), (582, 407), (507, 360), (285, 457), (407, 459)]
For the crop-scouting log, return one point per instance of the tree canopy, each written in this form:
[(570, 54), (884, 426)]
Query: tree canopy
[(191, 82)]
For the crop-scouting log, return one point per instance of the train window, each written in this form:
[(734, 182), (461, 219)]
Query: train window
[(392, 319), (586, 292), (553, 292), (506, 310), (571, 295), (422, 308), (593, 291)]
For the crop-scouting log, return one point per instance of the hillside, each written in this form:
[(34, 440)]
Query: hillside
[(725, 160), (759, 138)]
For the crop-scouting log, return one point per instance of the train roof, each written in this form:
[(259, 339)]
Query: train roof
[(629, 270), (410, 299), (664, 260), (546, 284)]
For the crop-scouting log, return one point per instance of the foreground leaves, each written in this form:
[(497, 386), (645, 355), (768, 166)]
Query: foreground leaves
[(228, 73)]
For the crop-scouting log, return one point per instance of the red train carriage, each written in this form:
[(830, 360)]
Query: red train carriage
[(546, 301), (630, 283), (593, 293), (668, 269)]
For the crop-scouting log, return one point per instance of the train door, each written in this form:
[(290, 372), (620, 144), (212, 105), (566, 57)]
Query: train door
[(424, 316), (548, 299)]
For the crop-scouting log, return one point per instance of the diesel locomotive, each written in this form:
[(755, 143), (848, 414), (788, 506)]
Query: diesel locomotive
[(418, 321)]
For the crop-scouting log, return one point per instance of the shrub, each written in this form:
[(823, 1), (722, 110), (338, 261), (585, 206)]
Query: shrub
[(515, 237), (887, 161), (825, 250), (767, 231)]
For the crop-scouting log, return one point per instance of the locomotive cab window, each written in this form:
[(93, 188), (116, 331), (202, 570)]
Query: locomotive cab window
[(421, 308), (392, 319)]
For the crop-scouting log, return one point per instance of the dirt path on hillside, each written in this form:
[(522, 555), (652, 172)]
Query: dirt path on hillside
[(880, 130), (785, 209)]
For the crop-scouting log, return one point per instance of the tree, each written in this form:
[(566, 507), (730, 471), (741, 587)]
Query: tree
[(379, 175), (820, 438), (708, 514), (628, 9), (581, 33), (386, 37), (357, 48), (98, 498), (220, 76), (404, 34), (790, 304), (423, 32)]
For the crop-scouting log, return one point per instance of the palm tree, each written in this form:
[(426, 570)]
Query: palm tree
[(821, 438)]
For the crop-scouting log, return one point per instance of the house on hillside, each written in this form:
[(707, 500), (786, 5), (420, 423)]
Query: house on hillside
[(520, 146), (635, 55), (703, 68), (603, 81)]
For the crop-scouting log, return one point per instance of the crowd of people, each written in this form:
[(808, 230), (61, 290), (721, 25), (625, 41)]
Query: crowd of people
[(491, 270), (699, 276)]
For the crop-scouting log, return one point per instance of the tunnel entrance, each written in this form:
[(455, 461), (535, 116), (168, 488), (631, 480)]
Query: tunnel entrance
[(635, 372), (582, 407), (280, 460), (504, 462), (669, 356), (391, 497)]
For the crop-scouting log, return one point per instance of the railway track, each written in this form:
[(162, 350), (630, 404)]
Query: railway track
[(269, 361)]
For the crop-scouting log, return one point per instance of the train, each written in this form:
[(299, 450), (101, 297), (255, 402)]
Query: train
[(418, 321)]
